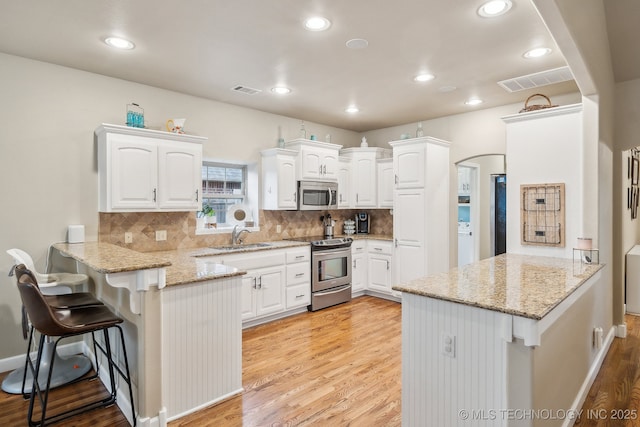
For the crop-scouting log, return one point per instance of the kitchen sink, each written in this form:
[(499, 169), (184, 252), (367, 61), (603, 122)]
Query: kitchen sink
[(241, 247)]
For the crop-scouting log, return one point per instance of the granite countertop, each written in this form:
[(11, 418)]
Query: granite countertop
[(522, 285), (107, 258), (182, 265), (368, 236)]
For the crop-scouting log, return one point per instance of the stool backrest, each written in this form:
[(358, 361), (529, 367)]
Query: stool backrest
[(21, 257), (40, 313)]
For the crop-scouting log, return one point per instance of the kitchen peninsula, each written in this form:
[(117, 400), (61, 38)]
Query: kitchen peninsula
[(495, 337), (182, 325)]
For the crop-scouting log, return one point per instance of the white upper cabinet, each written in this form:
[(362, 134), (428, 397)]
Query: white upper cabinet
[(386, 180), (364, 175), (279, 190), (408, 163), (344, 183), (316, 161), (141, 170), (179, 176)]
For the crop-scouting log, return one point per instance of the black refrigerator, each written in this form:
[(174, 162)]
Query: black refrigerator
[(498, 214)]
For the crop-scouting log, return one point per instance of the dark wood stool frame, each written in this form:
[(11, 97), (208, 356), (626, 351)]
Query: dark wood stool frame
[(65, 323)]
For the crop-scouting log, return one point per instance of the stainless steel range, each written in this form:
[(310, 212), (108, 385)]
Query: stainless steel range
[(330, 271)]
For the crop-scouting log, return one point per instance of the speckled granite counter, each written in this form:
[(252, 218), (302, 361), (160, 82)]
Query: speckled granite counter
[(526, 286), (107, 258), (181, 265), (187, 266)]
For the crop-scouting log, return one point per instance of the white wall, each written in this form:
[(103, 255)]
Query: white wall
[(545, 149), (471, 134), (48, 161)]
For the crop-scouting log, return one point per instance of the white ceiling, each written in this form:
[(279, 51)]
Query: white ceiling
[(206, 47)]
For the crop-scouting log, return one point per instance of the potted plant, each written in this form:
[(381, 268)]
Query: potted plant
[(208, 216)]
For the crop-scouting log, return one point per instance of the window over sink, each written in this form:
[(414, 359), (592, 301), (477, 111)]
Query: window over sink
[(224, 193)]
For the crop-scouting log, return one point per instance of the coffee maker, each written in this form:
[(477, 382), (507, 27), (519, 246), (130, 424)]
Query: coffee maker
[(363, 223)]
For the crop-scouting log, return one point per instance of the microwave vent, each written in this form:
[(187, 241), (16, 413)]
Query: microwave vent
[(543, 78)]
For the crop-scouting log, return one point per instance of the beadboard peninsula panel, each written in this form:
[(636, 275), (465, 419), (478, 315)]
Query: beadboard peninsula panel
[(201, 345), (439, 400)]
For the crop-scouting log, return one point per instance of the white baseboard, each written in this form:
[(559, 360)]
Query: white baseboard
[(14, 362), (621, 330), (591, 377)]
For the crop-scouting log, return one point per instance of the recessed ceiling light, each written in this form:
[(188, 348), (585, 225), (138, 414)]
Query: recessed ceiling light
[(537, 52), (494, 8), (317, 23), (425, 77), (352, 109), (474, 101), (119, 43), (357, 44), (281, 90)]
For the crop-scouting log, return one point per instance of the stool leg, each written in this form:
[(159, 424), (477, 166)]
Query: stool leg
[(111, 362), (26, 363), (35, 387), (128, 376)]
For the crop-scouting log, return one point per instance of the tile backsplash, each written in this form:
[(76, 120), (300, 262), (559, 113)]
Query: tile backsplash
[(180, 228)]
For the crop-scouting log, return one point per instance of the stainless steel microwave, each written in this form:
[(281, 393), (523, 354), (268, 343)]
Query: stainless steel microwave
[(317, 195)]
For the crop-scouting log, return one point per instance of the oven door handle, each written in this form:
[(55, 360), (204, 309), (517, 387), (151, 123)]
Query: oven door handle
[(340, 289), (330, 197)]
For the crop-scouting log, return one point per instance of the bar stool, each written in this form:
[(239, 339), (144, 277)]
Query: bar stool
[(57, 293), (64, 323)]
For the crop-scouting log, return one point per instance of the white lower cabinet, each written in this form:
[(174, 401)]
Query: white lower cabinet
[(298, 289), (372, 268), (277, 280), (358, 266), (380, 254)]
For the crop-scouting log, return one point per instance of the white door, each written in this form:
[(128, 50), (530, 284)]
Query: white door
[(365, 182), (248, 296), (311, 167), (385, 184), (408, 164), (344, 184), (409, 234), (179, 176), (270, 294), (359, 267), (380, 273), (330, 165), (287, 191), (134, 173), (468, 213)]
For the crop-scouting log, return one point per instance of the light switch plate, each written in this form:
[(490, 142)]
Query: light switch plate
[(161, 235), (128, 237)]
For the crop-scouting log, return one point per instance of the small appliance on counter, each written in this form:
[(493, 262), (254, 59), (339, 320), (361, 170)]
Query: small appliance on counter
[(349, 226), (363, 223), (328, 225)]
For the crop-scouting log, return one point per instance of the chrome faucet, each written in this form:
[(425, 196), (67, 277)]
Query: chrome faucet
[(236, 238)]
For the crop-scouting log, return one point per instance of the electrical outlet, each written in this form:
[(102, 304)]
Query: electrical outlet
[(128, 237), (448, 345), (278, 228), (161, 235)]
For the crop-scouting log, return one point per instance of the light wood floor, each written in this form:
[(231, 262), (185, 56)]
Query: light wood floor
[(616, 389), (341, 366), (338, 366)]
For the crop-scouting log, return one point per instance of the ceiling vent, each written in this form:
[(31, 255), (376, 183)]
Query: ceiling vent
[(543, 78), (246, 90)]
